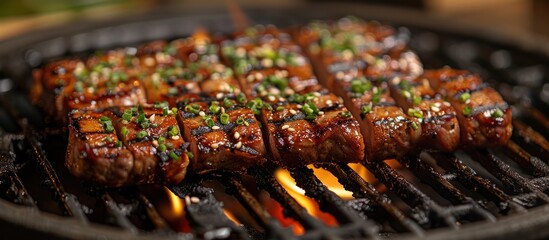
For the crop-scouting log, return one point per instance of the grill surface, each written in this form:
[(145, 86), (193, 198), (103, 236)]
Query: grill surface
[(476, 194)]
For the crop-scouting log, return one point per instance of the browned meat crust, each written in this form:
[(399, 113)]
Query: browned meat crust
[(484, 117)]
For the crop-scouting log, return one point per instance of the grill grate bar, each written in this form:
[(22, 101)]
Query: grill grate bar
[(353, 182), (69, 205), (120, 216), (330, 202), (467, 176), (206, 216), (154, 216), (537, 115), (422, 204), (235, 187), (534, 140), (276, 191), (505, 174), (525, 160), (427, 174), (10, 183)]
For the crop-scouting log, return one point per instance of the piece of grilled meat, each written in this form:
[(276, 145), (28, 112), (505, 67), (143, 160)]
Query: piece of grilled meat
[(351, 44), (485, 118), (126, 146), (439, 124), (388, 131), (302, 122), (224, 135)]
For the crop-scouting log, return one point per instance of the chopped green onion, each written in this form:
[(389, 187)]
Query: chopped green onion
[(405, 85), (467, 110), (79, 86), (415, 113), (161, 147), (365, 109), (118, 144), (174, 156), (108, 139), (345, 114), (416, 100), (161, 105), (376, 98), (174, 111), (104, 119), (190, 154), (161, 140), (360, 85), (124, 131), (464, 97), (107, 124), (241, 98), (414, 125), (173, 131), (214, 108), (497, 113), (227, 103), (241, 121), (193, 108), (209, 121), (127, 115), (280, 108), (142, 134), (268, 107), (224, 119)]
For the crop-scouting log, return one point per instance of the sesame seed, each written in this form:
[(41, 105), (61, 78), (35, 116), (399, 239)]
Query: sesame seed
[(219, 95), (321, 113), (329, 102), (274, 91), (437, 104), (215, 127), (291, 129), (289, 91), (238, 144), (396, 80), (267, 62), (258, 76), (202, 113), (293, 112), (175, 137), (195, 199), (299, 106), (281, 99), (215, 145), (250, 78), (236, 135), (149, 61), (189, 86), (317, 94), (187, 200), (156, 77), (152, 117), (155, 143), (435, 108), (285, 127), (271, 98), (222, 110)]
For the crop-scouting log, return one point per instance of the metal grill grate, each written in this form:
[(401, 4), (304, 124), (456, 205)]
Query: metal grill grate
[(432, 191)]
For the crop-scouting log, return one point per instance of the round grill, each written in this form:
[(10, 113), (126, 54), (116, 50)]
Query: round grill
[(487, 193)]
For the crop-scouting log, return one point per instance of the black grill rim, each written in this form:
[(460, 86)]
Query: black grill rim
[(532, 223)]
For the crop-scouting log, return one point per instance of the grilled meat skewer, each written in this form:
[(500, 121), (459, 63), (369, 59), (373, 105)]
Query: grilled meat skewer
[(484, 117)]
